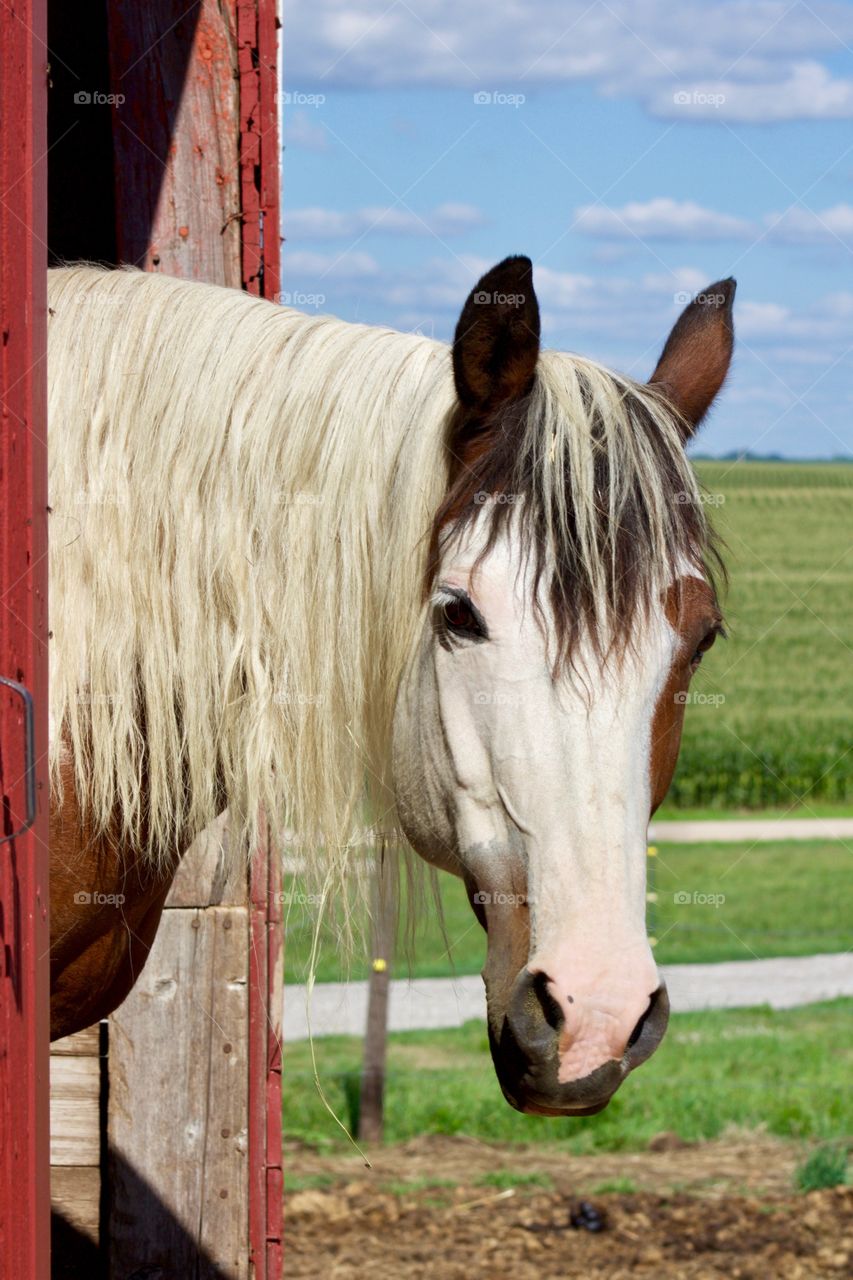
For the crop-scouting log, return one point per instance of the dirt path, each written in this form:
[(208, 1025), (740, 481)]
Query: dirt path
[(758, 828), (454, 1209), (340, 1008)]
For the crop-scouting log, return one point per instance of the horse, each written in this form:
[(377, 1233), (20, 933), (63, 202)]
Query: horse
[(314, 569)]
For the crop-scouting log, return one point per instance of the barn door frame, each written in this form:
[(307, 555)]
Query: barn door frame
[(24, 853)]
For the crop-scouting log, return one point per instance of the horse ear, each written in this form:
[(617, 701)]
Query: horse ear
[(497, 339), (698, 352)]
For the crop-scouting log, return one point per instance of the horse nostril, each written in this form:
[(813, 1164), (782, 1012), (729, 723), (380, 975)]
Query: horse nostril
[(654, 1019), (551, 1010), (638, 1030)]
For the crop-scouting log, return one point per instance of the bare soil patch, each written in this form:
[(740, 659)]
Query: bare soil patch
[(452, 1209)]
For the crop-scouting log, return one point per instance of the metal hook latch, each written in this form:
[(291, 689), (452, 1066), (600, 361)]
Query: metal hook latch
[(30, 755)]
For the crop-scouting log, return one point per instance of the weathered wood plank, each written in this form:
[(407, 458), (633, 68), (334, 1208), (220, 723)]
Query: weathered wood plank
[(176, 137), (75, 1115), (225, 1193), (83, 1044), (177, 1119), (201, 879), (76, 1145), (75, 1193)]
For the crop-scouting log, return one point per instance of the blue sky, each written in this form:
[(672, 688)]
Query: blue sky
[(636, 151)]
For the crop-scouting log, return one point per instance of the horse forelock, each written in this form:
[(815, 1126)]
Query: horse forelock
[(589, 476)]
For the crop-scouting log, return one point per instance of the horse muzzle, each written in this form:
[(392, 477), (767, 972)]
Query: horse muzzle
[(555, 1060)]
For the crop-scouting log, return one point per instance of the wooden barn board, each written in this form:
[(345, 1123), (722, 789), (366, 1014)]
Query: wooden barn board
[(177, 137), (178, 1102), (76, 1131), (203, 879), (75, 1123), (75, 1192)]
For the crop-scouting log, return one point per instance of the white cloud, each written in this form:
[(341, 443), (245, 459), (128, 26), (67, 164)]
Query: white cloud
[(760, 394), (661, 218), (331, 224), (765, 58), (677, 282), (666, 219), (307, 268), (806, 226), (840, 305), (763, 319), (610, 253), (805, 91), (826, 323), (301, 131)]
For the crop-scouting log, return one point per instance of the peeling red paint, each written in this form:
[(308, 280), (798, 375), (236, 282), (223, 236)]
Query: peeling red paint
[(259, 145)]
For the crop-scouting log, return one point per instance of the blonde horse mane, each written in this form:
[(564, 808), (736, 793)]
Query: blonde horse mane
[(242, 500)]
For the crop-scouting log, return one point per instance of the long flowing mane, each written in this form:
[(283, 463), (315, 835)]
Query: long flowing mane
[(240, 496), (243, 498)]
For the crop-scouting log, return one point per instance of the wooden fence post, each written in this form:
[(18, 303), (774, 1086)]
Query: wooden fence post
[(372, 1097)]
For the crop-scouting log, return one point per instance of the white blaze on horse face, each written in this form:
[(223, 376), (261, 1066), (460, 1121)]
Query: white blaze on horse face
[(547, 784)]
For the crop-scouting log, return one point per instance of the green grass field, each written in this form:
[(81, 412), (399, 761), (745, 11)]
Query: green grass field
[(784, 899), (788, 1071), (812, 809), (782, 735)]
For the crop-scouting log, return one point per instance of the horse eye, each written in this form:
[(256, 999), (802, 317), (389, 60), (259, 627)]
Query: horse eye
[(460, 617), (704, 646)]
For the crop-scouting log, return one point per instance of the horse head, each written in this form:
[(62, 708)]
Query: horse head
[(570, 599)]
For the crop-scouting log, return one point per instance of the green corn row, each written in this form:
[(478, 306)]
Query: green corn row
[(779, 769)]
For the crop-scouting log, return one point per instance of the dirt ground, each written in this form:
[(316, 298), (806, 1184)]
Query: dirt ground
[(456, 1209)]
